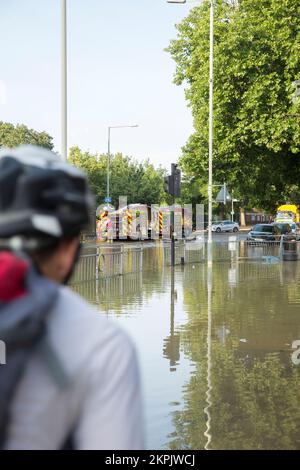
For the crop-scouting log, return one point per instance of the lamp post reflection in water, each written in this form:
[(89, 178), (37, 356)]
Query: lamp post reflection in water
[(172, 342), (208, 375)]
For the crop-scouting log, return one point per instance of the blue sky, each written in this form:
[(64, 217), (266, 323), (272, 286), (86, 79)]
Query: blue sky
[(118, 74)]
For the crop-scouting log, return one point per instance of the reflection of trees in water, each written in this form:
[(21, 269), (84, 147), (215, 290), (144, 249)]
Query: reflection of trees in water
[(255, 388), (257, 403), (171, 349), (254, 406)]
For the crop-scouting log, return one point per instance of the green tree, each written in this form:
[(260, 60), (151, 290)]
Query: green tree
[(140, 182), (12, 136), (92, 166), (256, 127)]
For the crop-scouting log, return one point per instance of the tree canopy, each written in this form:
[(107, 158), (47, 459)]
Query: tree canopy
[(256, 119), (12, 136), (140, 182)]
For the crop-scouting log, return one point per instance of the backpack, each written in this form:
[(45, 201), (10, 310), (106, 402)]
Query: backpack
[(23, 332)]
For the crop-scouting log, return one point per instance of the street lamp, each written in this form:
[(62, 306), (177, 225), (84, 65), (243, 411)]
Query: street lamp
[(209, 246), (232, 210), (108, 199), (210, 145), (64, 97)]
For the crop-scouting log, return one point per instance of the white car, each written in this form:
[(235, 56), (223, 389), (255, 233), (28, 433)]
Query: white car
[(225, 226)]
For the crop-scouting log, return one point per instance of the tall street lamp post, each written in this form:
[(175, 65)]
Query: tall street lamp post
[(210, 145), (108, 158), (64, 95), (209, 245), (232, 207)]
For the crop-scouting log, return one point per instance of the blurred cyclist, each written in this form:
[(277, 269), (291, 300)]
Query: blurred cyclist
[(70, 375)]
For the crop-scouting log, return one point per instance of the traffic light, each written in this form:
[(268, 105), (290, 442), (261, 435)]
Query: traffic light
[(169, 184), (172, 183), (177, 183)]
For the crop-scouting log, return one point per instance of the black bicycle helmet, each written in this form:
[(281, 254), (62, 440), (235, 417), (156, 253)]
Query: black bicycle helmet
[(41, 197)]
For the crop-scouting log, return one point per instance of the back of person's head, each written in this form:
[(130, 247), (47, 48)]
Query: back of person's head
[(44, 205)]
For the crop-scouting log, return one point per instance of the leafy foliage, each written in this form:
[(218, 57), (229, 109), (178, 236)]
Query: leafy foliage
[(140, 182), (256, 120), (12, 136)]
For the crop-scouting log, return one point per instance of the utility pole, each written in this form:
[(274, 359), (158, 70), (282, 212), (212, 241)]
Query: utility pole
[(211, 123), (108, 167), (210, 159), (225, 194), (173, 187), (173, 171), (64, 78)]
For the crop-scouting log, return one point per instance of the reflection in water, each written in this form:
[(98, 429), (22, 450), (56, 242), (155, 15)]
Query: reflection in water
[(256, 395), (209, 386), (172, 342), (225, 393)]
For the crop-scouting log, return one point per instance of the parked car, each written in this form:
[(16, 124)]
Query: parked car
[(285, 228), (225, 226), (269, 232)]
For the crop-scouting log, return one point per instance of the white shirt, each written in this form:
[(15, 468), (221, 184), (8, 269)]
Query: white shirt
[(102, 407)]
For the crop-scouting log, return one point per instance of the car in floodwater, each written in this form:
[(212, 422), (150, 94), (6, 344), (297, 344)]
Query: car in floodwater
[(295, 229), (288, 230), (270, 232), (284, 227)]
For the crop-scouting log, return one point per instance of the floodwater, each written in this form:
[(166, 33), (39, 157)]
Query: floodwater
[(215, 349)]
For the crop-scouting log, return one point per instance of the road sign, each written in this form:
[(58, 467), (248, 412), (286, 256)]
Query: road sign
[(296, 95), (297, 87), (223, 195), (172, 183), (107, 199), (177, 182)]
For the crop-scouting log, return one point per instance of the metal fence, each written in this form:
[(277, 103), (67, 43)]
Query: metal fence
[(108, 261), (233, 249), (281, 249), (196, 251), (258, 250), (86, 269), (185, 252), (117, 260)]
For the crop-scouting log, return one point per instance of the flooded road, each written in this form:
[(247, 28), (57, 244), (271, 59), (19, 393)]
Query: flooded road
[(215, 350)]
